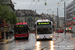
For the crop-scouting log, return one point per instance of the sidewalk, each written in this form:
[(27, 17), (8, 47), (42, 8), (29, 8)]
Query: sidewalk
[(4, 41), (67, 43)]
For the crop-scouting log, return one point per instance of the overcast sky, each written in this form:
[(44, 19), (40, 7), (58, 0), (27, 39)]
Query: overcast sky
[(41, 7)]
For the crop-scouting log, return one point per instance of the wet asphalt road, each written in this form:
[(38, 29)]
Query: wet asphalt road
[(58, 43)]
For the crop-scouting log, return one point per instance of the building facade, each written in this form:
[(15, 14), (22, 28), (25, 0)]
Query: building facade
[(70, 15), (9, 4), (47, 16), (28, 16), (60, 23), (6, 27)]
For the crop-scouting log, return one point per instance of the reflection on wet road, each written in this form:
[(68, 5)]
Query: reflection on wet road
[(38, 45), (32, 44), (22, 44), (47, 45)]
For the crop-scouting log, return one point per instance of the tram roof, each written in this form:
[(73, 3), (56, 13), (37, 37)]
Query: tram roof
[(22, 23)]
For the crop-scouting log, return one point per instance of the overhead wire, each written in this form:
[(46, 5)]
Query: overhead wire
[(35, 5), (43, 9), (60, 4), (30, 4)]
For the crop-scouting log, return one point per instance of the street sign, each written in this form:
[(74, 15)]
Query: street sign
[(73, 28)]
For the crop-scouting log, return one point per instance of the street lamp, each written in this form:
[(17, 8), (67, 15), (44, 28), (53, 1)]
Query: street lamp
[(64, 17), (45, 3)]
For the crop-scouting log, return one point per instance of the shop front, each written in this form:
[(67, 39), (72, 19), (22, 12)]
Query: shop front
[(3, 29)]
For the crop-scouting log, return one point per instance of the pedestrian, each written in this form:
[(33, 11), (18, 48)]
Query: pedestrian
[(7, 34), (12, 32), (2, 34)]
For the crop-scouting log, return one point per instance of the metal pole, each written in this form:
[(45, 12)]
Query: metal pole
[(57, 19), (65, 18), (65, 21)]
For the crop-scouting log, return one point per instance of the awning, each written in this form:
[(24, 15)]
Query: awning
[(4, 25)]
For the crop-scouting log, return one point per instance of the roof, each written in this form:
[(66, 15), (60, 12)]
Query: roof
[(22, 23), (43, 20), (25, 13)]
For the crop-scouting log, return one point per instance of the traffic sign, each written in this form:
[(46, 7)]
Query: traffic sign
[(73, 28)]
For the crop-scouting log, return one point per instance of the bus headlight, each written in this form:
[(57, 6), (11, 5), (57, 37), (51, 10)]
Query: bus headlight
[(37, 37), (51, 36)]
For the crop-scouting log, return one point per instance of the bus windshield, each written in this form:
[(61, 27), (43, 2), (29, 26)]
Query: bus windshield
[(21, 29), (44, 29), (43, 26)]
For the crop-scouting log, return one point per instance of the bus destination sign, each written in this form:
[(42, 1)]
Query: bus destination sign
[(43, 23), (19, 25)]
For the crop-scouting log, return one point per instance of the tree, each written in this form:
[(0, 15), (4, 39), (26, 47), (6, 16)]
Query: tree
[(18, 21), (6, 15), (13, 18), (4, 12)]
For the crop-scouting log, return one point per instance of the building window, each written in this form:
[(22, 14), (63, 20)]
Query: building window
[(26, 11)]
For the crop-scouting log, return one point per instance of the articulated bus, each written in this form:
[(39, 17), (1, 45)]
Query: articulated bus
[(21, 30), (44, 29)]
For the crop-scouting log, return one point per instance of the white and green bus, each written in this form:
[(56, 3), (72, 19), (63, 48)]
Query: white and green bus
[(44, 29)]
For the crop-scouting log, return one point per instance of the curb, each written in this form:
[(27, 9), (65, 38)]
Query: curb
[(7, 42)]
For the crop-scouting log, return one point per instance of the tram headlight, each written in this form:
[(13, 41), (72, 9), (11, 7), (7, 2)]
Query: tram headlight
[(37, 37), (51, 36)]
